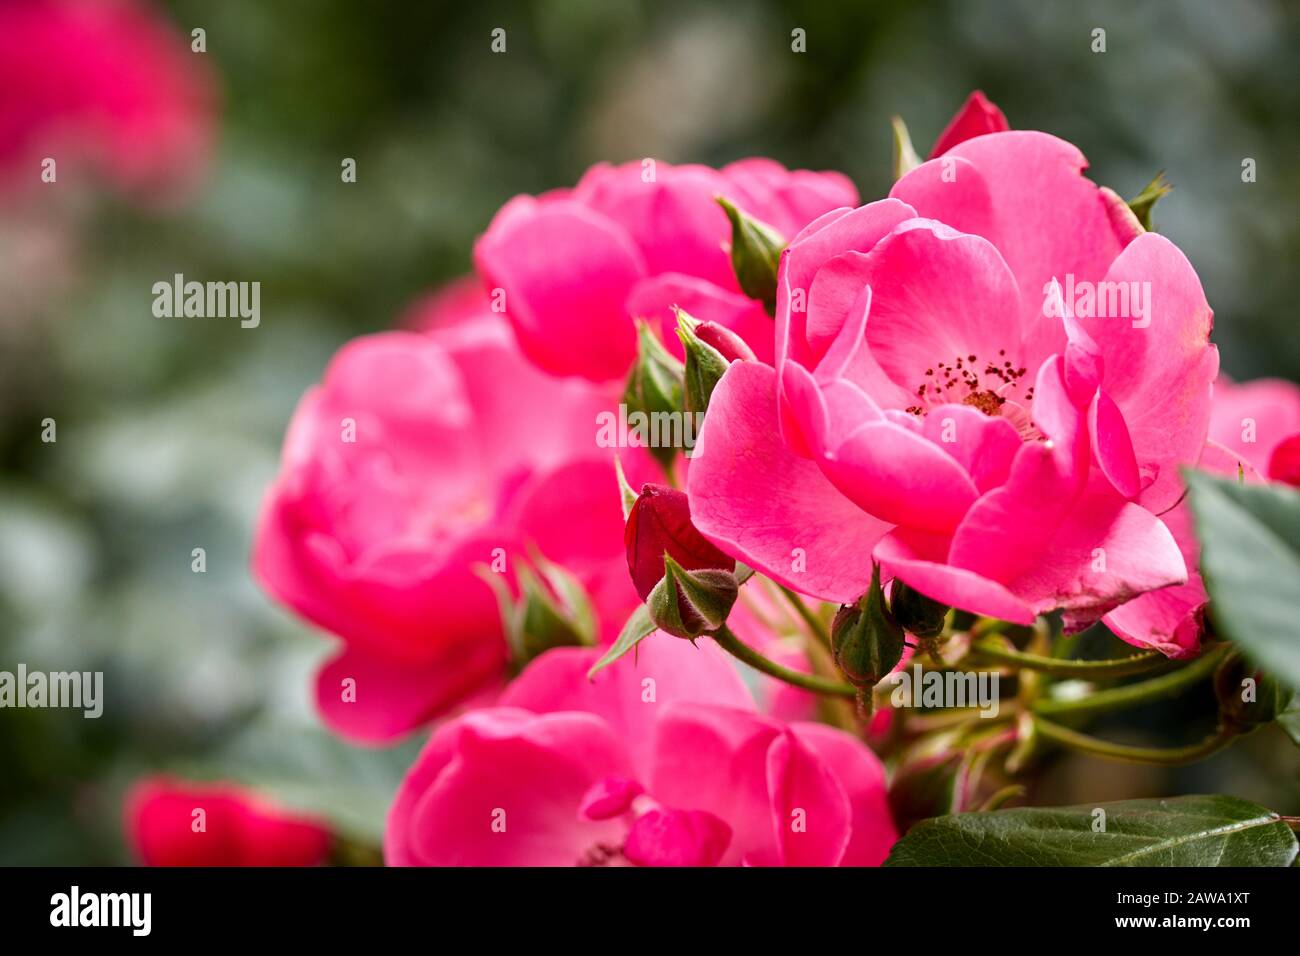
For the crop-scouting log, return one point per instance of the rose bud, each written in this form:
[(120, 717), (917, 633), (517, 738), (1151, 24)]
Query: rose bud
[(659, 524), (755, 254), (709, 349), (690, 603), (866, 641), (916, 613), (725, 342), (552, 610), (654, 386), (1248, 698)]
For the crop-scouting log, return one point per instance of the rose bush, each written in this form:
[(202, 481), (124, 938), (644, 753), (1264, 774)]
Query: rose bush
[(974, 406)]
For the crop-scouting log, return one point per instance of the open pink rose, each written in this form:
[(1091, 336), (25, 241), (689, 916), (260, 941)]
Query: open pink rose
[(947, 398), (660, 761), (419, 462), (177, 823), (106, 82), (631, 241)]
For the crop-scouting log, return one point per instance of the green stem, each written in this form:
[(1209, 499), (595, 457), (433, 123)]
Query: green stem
[(743, 652), (1130, 695), (1055, 667), (1165, 756), (814, 623)]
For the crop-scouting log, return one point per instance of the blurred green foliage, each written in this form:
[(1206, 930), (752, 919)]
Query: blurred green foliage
[(169, 430)]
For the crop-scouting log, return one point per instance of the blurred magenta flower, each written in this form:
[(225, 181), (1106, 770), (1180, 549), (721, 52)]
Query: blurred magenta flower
[(576, 266), (660, 761), (419, 463), (1260, 422), (172, 822), (104, 83), (945, 395)]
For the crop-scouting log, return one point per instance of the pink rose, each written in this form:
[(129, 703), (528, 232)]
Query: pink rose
[(660, 761), (577, 265), (176, 823), (105, 81), (418, 463), (947, 398)]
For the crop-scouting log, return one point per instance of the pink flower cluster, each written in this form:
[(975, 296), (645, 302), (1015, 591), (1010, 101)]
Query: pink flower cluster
[(987, 383)]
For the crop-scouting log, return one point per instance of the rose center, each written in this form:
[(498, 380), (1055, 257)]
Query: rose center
[(970, 380)]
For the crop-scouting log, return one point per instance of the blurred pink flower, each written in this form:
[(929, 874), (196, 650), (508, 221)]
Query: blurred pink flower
[(173, 822), (418, 462), (1260, 422), (103, 82), (940, 396), (631, 241), (660, 761)]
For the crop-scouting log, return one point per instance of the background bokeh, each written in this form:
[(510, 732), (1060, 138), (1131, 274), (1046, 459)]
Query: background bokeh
[(169, 429)]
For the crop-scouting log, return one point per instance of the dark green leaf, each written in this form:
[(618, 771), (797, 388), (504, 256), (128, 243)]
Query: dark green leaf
[(1178, 831), (1250, 558)]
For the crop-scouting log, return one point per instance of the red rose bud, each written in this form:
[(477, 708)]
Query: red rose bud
[(977, 116), (690, 603), (660, 524)]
